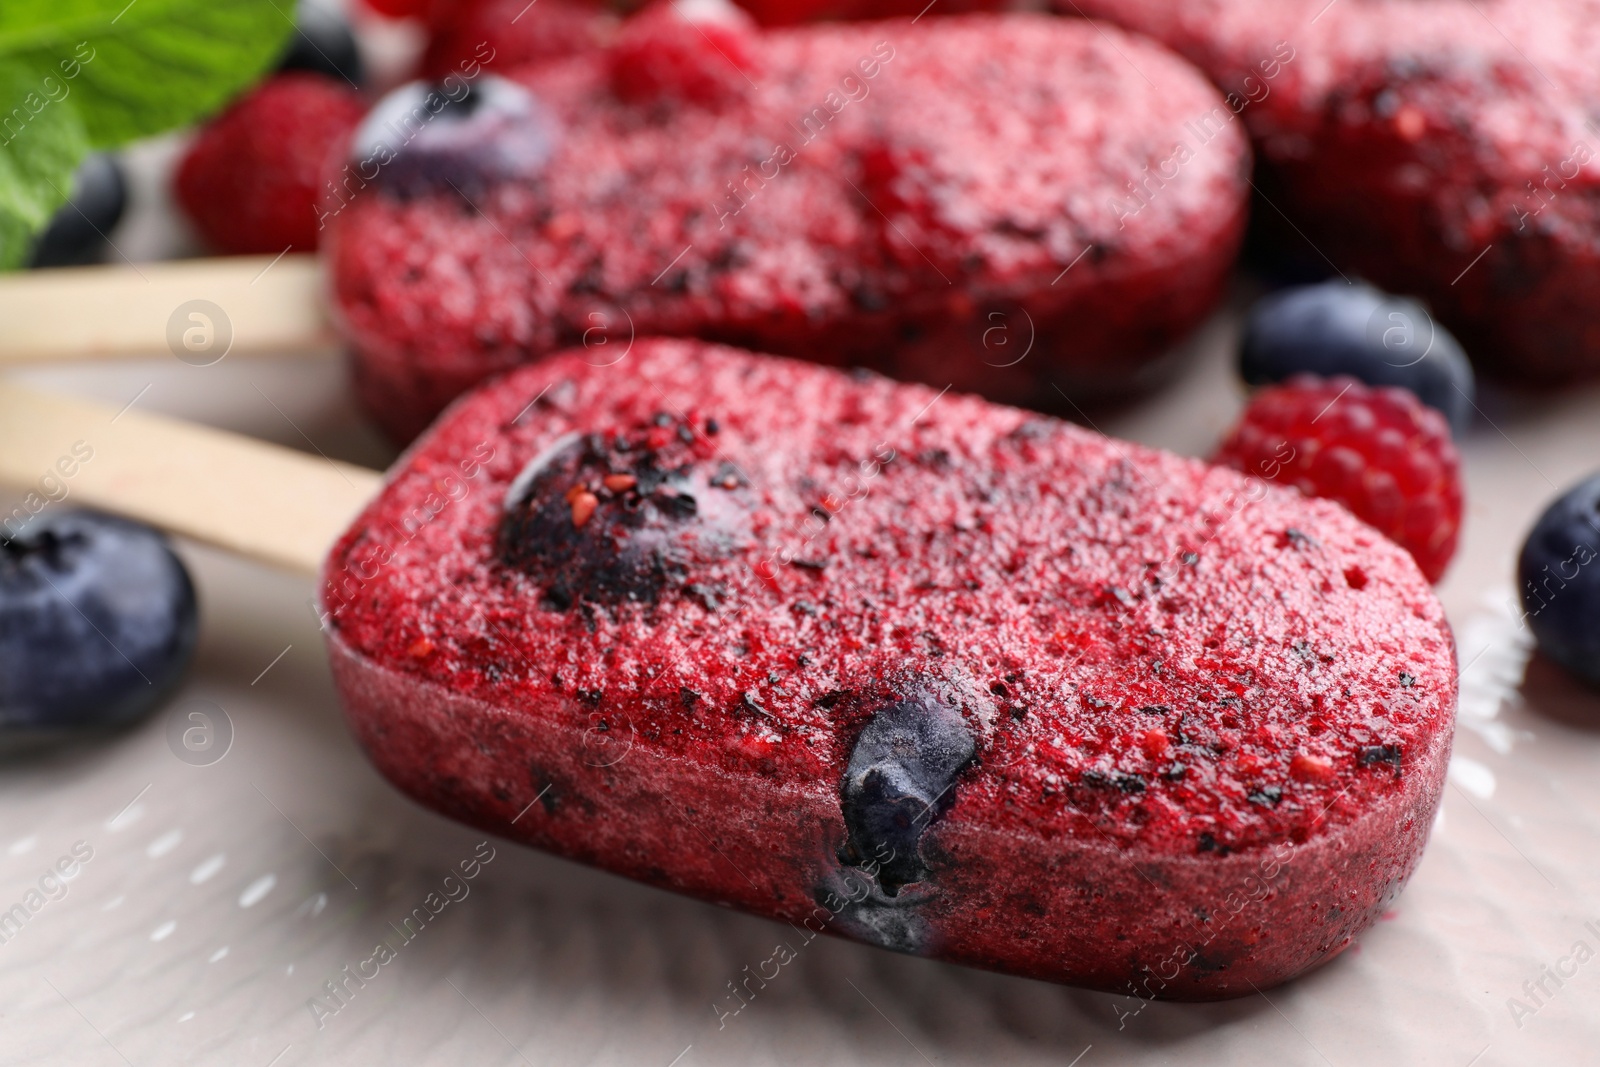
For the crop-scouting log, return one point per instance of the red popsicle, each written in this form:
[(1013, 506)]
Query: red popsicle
[(943, 676), (1001, 202), (1436, 147)]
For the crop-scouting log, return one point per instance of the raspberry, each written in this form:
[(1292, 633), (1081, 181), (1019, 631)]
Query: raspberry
[(793, 12), (252, 178), (700, 52), (397, 9), (1378, 451), (505, 34), (434, 14)]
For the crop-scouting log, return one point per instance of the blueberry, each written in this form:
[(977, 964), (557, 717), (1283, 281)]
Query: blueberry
[(898, 780), (425, 138), (97, 622), (323, 43), (1559, 574), (78, 232), (625, 517), (1339, 328)]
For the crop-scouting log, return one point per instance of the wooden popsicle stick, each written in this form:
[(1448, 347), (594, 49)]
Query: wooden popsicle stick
[(257, 306), (270, 503)]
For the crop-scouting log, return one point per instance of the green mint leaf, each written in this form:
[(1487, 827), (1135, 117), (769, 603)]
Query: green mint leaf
[(107, 72), (146, 66), (41, 143)]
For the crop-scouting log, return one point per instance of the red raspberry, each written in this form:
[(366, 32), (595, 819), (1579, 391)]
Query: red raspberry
[(436, 14), (252, 178), (698, 51), (1377, 451), (503, 34), (793, 12), (397, 9)]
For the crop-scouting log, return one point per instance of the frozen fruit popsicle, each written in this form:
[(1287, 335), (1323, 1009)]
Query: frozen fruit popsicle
[(1438, 149), (998, 202), (942, 676)]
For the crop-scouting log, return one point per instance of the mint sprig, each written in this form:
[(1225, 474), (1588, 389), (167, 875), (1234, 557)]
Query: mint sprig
[(36, 165), (81, 74)]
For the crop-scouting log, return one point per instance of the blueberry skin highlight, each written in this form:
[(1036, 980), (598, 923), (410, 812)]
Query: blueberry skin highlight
[(78, 232), (1338, 328), (323, 43), (1558, 574), (98, 622), (454, 136)]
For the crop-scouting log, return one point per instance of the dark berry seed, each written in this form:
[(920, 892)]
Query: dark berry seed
[(1266, 796), (1371, 754)]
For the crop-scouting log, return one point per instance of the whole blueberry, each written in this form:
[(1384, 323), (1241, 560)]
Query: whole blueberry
[(97, 621), (898, 780), (1559, 576), (78, 232), (322, 42), (1341, 328), (456, 134)]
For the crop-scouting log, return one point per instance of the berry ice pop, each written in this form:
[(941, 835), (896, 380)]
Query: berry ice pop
[(939, 675), (1439, 148), (999, 203)]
